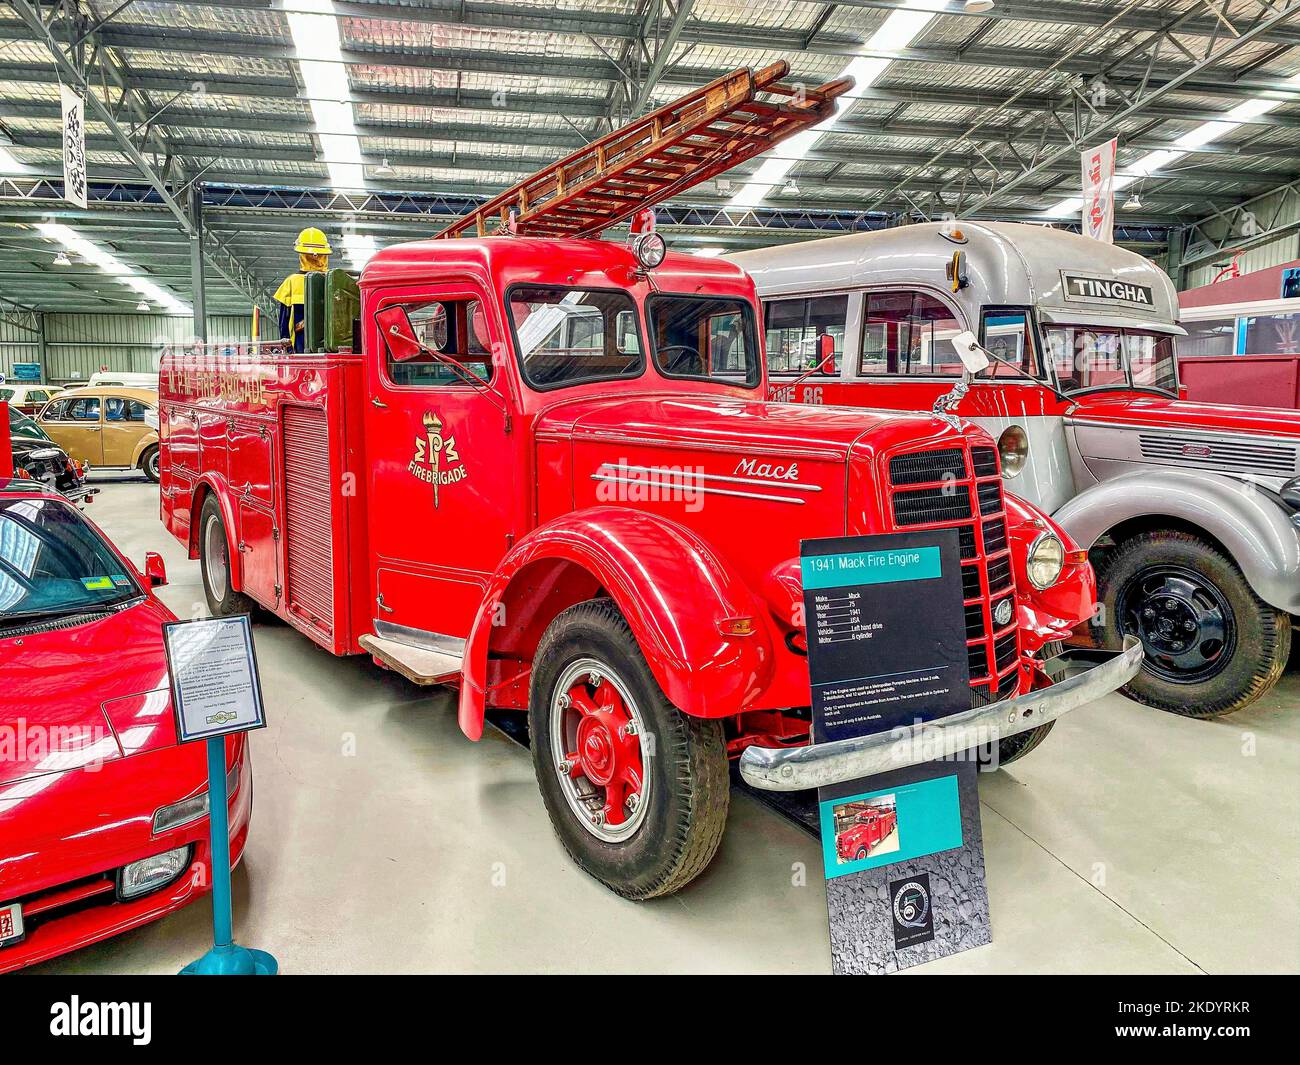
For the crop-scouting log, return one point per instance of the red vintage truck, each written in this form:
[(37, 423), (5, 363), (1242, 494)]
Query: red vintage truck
[(867, 829), (550, 478)]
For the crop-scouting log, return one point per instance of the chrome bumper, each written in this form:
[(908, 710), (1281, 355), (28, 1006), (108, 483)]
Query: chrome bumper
[(1080, 675)]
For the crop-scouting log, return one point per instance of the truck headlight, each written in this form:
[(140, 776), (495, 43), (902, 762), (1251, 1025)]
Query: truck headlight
[(1046, 560), (1013, 449), (151, 874), (1290, 493)]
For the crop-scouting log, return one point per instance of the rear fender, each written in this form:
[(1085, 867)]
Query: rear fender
[(1250, 524), (212, 486), (669, 584)]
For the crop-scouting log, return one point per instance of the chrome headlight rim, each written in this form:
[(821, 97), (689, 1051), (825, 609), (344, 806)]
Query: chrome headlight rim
[(1040, 541), (1013, 464)]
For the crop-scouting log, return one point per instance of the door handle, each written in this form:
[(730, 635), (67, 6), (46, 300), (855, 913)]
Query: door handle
[(379, 602), (375, 401)]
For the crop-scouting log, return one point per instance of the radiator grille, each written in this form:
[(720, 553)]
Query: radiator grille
[(1273, 460), (308, 513), (968, 481)]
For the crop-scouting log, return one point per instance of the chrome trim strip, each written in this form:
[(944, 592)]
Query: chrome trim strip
[(429, 641), (695, 488), (797, 485), (1084, 676)]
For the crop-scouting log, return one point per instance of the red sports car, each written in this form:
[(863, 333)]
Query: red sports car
[(867, 830), (103, 816)]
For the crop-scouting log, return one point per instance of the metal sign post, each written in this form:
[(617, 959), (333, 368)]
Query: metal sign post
[(215, 692)]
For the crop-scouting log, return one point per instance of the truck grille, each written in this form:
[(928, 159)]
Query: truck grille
[(962, 488)]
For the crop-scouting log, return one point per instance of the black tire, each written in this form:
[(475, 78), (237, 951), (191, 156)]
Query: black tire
[(687, 776), (1011, 748), (1243, 649), (149, 464), (223, 600), (859, 854)]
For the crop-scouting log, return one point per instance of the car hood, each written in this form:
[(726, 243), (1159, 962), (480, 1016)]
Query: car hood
[(87, 695), (1163, 412)]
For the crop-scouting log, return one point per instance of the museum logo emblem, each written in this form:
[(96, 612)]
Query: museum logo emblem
[(913, 914)]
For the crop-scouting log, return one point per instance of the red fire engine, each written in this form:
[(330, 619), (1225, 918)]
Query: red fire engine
[(549, 478)]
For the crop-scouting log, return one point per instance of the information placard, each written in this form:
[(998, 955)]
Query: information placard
[(215, 685)]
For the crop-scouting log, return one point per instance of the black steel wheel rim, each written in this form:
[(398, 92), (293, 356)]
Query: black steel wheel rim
[(1184, 621)]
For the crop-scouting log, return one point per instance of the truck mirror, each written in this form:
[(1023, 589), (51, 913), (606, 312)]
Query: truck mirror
[(968, 350), (398, 333), (826, 354)]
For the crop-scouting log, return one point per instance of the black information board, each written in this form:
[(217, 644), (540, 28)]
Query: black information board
[(886, 631)]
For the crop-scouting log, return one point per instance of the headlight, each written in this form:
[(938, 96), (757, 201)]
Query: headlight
[(150, 874), (191, 809), (650, 250), (1046, 559), (1013, 448), (1290, 493)]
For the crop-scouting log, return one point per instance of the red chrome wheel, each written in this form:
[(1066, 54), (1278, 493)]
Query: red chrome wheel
[(600, 750)]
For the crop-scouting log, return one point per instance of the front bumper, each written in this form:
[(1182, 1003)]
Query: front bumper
[(1080, 675)]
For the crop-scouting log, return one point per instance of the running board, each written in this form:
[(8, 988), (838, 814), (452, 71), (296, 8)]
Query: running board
[(419, 665)]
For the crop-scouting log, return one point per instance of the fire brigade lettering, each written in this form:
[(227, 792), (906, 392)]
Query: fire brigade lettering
[(754, 468), (436, 462)]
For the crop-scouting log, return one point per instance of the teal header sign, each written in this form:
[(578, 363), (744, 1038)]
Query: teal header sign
[(870, 567)]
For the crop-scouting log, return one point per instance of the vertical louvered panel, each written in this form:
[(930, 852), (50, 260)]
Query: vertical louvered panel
[(308, 514)]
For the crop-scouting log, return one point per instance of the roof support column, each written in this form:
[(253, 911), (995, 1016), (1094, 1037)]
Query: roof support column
[(198, 282)]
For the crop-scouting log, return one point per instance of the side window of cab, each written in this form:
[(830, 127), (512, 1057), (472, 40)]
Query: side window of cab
[(908, 333), (454, 329), (792, 328)]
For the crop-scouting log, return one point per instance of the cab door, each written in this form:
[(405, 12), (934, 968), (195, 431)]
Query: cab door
[(444, 507), (74, 424), (124, 427)]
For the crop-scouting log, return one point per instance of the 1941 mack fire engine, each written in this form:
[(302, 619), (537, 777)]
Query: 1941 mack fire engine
[(1191, 511), (550, 478)]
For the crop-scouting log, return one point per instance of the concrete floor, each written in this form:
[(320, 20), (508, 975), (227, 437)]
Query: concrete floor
[(383, 841)]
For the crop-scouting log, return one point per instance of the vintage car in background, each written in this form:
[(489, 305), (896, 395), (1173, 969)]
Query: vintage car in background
[(1191, 511), (865, 831), (106, 426), (26, 399), (103, 816), (37, 457)]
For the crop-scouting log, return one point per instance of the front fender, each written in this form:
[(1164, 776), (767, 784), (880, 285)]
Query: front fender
[(1049, 613), (1261, 537), (672, 588)]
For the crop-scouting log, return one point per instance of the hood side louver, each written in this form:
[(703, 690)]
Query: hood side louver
[(1272, 460)]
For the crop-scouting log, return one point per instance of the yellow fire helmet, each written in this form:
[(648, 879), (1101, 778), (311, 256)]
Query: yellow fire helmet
[(312, 241)]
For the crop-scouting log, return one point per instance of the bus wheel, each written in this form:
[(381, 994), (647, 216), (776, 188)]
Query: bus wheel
[(636, 790), (214, 562), (1212, 645)]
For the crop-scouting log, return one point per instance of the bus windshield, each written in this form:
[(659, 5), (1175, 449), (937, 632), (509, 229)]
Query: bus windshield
[(1089, 356)]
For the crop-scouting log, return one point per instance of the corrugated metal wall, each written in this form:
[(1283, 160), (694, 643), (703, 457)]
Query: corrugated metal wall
[(1277, 251), (76, 345)]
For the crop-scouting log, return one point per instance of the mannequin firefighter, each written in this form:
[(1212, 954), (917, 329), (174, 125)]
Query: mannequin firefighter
[(313, 257)]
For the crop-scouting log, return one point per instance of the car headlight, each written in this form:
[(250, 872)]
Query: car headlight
[(151, 874), (1290, 493), (1013, 449), (191, 809), (1046, 560)]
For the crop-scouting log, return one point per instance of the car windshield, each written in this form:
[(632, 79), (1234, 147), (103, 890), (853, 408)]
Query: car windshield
[(1087, 356), (53, 563), (21, 425), (568, 336), (705, 338)]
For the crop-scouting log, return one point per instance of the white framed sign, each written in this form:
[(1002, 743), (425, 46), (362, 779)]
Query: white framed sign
[(215, 685), (74, 147)]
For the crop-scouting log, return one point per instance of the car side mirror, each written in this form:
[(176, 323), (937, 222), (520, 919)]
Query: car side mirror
[(826, 354), (155, 570), (398, 333), (971, 354)]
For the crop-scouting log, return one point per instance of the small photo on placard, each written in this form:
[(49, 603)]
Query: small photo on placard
[(866, 828), (214, 680), (876, 828)]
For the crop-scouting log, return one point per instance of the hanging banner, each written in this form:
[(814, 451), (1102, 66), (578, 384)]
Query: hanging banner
[(1098, 165), (74, 147)]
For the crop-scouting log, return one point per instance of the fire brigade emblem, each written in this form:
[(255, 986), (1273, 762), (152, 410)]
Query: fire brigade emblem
[(436, 462)]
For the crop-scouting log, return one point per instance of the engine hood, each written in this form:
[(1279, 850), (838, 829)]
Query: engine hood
[(1162, 412), (88, 695)]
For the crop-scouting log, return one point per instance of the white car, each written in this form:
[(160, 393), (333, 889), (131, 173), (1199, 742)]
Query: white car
[(26, 398)]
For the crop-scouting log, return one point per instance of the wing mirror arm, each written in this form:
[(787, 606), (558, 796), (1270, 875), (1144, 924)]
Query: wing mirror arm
[(976, 358)]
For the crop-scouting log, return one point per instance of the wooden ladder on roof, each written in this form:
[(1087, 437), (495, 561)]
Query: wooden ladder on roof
[(659, 155)]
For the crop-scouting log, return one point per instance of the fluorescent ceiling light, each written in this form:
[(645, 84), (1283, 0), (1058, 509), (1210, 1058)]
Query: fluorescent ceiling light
[(898, 31), (1189, 142), (319, 52), (10, 165), (110, 264)]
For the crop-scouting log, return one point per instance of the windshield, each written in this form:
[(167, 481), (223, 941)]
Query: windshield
[(1087, 356), (21, 425), (704, 338), (52, 562), (567, 336)]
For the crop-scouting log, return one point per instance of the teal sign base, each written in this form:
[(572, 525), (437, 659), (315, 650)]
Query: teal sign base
[(225, 958)]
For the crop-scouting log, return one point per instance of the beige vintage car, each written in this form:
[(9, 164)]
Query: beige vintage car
[(110, 427)]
